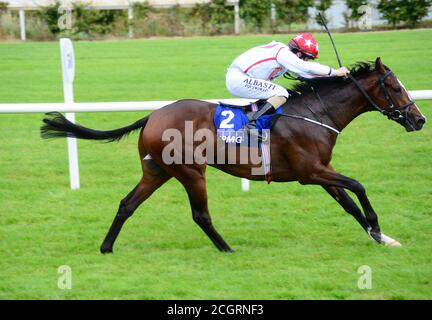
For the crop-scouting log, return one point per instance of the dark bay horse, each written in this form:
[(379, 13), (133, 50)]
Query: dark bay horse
[(301, 151)]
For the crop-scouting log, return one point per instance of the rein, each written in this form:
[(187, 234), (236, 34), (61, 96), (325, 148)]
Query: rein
[(394, 111), (397, 113), (289, 76)]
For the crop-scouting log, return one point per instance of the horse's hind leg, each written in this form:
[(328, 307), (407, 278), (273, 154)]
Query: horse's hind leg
[(147, 185), (197, 193), (193, 180)]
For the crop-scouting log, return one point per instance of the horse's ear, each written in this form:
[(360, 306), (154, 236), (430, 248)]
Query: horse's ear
[(379, 66)]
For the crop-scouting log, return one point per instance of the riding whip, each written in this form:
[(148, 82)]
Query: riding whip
[(331, 38)]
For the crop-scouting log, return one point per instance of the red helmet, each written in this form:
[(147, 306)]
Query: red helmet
[(306, 44)]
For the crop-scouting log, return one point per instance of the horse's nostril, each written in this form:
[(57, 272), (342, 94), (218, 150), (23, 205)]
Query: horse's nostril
[(421, 122)]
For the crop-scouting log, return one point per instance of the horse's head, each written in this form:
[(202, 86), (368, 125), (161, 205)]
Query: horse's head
[(394, 101)]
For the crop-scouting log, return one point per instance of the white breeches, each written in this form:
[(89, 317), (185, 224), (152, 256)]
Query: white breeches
[(241, 85)]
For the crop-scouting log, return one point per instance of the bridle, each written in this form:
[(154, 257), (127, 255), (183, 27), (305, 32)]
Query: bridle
[(396, 112)]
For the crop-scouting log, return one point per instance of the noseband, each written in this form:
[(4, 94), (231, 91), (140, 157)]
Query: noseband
[(396, 113)]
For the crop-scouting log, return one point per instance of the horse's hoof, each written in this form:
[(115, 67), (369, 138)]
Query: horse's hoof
[(106, 250), (389, 242), (375, 236)]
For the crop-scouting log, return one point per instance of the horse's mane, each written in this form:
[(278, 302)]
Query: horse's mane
[(304, 86)]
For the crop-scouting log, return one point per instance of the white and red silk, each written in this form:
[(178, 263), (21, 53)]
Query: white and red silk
[(271, 61)]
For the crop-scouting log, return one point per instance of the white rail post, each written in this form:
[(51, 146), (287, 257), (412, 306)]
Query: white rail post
[(237, 17), (22, 24), (245, 184), (68, 71), (130, 21), (273, 17)]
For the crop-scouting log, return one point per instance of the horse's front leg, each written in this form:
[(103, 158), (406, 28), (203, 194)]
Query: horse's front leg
[(349, 205), (328, 178)]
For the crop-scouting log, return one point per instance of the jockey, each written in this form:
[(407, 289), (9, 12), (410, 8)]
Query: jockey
[(251, 73)]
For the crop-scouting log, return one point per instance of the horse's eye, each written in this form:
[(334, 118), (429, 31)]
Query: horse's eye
[(398, 90)]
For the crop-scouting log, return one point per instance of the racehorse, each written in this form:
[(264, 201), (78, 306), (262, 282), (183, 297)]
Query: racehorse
[(300, 150)]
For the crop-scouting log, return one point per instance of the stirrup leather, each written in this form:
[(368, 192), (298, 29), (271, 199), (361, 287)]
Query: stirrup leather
[(253, 116), (251, 130)]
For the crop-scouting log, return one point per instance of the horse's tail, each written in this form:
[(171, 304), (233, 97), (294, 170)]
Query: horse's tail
[(56, 126)]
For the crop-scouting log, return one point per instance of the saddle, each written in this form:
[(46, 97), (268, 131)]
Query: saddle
[(247, 108), (229, 121)]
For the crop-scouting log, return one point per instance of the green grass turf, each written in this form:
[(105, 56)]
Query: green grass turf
[(291, 241)]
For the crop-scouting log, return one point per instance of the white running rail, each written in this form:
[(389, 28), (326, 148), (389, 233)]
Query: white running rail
[(131, 106)]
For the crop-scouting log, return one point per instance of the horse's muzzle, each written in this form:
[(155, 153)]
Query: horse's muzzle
[(420, 123), (415, 124), (413, 120)]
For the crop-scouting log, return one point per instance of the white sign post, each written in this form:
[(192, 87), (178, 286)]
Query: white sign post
[(68, 71)]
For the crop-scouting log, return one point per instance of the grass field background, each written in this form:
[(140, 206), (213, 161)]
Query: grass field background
[(291, 241)]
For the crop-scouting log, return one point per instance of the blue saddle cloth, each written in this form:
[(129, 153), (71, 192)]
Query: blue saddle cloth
[(229, 122)]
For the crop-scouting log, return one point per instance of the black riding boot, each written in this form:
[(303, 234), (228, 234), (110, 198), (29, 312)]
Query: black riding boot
[(250, 127)]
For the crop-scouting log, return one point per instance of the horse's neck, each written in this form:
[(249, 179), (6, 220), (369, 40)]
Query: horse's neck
[(343, 106)]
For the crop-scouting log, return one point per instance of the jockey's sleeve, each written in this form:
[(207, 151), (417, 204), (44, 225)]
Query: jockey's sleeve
[(303, 68)]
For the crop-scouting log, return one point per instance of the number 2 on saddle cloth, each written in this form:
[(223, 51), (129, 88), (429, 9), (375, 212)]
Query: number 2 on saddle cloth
[(230, 120)]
